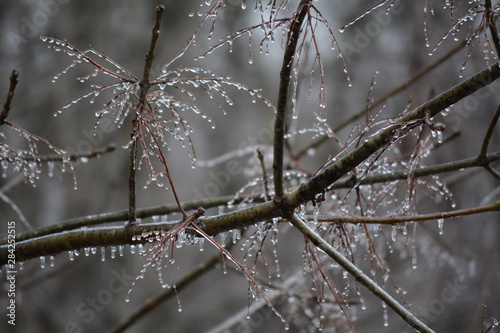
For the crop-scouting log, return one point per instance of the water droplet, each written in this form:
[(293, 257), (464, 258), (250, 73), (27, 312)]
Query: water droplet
[(440, 225), (113, 252), (52, 261), (385, 316), (42, 262)]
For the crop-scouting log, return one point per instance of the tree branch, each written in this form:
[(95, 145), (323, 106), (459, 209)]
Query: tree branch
[(144, 87), (322, 180), (400, 219), (285, 76), (245, 217), (10, 95)]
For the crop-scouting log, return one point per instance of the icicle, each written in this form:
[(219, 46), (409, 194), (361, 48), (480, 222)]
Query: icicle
[(120, 250), (316, 213), (103, 253), (385, 315), (71, 255), (236, 235), (42, 262), (362, 301), (394, 232), (52, 261), (50, 168), (86, 251), (440, 225), (132, 249), (414, 256), (113, 252), (5, 167)]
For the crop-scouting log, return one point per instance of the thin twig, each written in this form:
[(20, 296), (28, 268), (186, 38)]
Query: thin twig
[(391, 220), (486, 142), (489, 133), (96, 152), (153, 303), (382, 99), (358, 274), (265, 177), (491, 21), (10, 95), (144, 87)]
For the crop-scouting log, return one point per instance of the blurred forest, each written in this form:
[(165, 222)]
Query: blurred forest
[(455, 269)]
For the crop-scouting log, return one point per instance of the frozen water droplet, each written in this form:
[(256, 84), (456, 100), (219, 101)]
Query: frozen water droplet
[(42, 262), (385, 316), (113, 252), (440, 225), (50, 168), (103, 253), (414, 256), (52, 261), (236, 235)]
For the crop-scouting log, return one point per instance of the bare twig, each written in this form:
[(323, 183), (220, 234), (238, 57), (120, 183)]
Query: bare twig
[(265, 177), (10, 96), (382, 99), (391, 220), (486, 142), (144, 87), (153, 303), (490, 20), (489, 133)]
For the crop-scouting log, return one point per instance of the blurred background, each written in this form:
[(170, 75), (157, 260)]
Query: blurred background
[(456, 271)]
